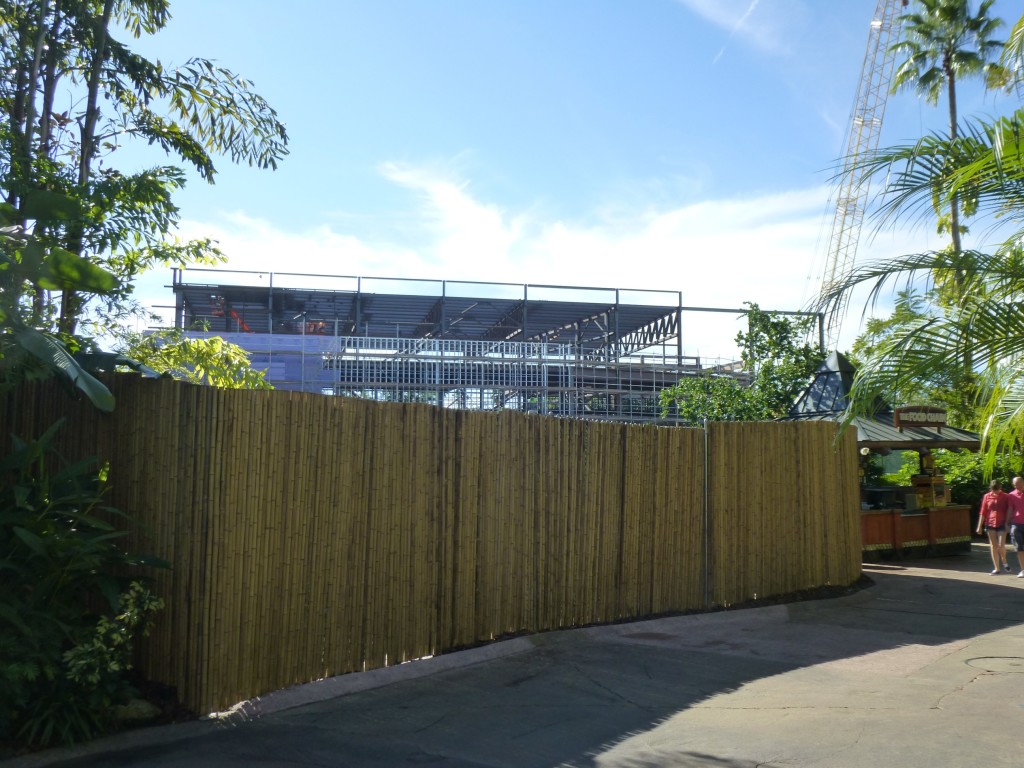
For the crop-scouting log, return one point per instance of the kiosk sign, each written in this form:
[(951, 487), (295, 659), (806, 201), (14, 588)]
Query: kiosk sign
[(919, 416)]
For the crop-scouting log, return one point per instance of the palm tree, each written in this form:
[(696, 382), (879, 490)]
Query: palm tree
[(988, 323), (944, 42), (984, 166), (974, 302)]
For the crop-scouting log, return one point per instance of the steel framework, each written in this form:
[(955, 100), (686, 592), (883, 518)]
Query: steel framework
[(572, 351)]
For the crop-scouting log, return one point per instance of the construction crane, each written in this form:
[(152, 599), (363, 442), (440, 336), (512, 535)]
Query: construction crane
[(853, 184)]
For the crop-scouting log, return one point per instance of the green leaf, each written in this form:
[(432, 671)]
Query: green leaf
[(55, 355), (64, 270), (32, 256), (8, 215), (50, 207), (107, 536), (110, 589), (149, 561), (11, 615), (32, 541)]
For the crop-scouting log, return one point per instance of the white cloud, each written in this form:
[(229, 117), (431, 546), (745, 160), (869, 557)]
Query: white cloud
[(462, 228), (767, 249), (762, 27)]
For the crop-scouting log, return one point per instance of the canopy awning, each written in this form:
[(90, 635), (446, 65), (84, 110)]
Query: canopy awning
[(879, 433), (827, 397)]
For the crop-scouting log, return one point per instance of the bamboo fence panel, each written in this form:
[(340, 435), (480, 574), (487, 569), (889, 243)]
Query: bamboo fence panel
[(467, 489), (344, 642), (336, 544), (442, 435), (313, 536), (560, 512), (680, 567), (491, 545), (584, 529), (605, 524), (637, 523), (773, 520), (447, 531), (378, 556)]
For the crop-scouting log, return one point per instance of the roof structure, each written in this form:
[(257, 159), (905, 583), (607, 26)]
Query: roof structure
[(280, 303), (575, 351), (828, 392), (827, 397)]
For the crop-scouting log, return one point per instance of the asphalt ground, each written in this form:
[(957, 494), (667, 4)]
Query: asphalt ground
[(924, 668)]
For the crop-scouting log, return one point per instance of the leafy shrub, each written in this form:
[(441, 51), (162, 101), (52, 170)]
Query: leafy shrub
[(964, 472), (778, 361), (68, 609)]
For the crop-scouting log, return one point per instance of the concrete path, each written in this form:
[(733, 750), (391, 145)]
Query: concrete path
[(925, 669)]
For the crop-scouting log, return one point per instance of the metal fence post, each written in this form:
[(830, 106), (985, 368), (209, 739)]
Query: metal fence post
[(707, 516)]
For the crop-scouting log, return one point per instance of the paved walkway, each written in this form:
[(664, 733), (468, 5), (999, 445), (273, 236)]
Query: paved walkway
[(924, 669)]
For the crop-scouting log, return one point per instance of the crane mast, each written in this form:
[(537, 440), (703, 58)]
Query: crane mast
[(862, 140)]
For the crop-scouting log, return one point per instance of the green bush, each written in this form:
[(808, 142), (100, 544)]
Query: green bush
[(69, 610), (964, 472)]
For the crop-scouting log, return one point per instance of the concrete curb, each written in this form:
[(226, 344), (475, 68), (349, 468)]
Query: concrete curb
[(342, 685)]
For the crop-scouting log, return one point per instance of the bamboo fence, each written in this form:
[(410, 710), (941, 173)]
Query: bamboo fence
[(313, 536)]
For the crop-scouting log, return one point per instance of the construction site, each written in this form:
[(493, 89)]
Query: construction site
[(574, 351)]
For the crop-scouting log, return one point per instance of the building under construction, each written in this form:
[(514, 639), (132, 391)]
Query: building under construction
[(571, 351)]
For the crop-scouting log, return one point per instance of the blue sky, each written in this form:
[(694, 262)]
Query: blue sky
[(684, 145)]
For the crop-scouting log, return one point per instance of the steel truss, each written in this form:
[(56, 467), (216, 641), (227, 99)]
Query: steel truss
[(569, 351)]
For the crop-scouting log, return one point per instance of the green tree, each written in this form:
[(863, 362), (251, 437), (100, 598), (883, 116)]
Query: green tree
[(711, 397), (774, 350), (965, 473), (69, 609), (971, 321), (27, 352), (949, 387), (987, 324), (944, 42), (71, 52), (777, 361), (909, 308), (74, 227), (211, 361)]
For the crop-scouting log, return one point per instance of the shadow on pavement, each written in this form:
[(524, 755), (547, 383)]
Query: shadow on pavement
[(580, 693)]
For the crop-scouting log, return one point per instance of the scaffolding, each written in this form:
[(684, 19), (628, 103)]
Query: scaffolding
[(581, 352)]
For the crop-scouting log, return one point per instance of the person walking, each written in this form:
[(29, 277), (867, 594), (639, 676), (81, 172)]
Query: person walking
[(1015, 520), (992, 518)]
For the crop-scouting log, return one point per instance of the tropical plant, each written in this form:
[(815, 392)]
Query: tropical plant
[(927, 352), (68, 607), (944, 42), (968, 339), (26, 351), (909, 307), (1012, 57), (983, 166), (211, 360), (69, 52), (964, 471), (74, 227), (779, 364), (950, 387)]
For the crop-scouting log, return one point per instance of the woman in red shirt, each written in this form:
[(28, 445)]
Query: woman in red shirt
[(992, 517)]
